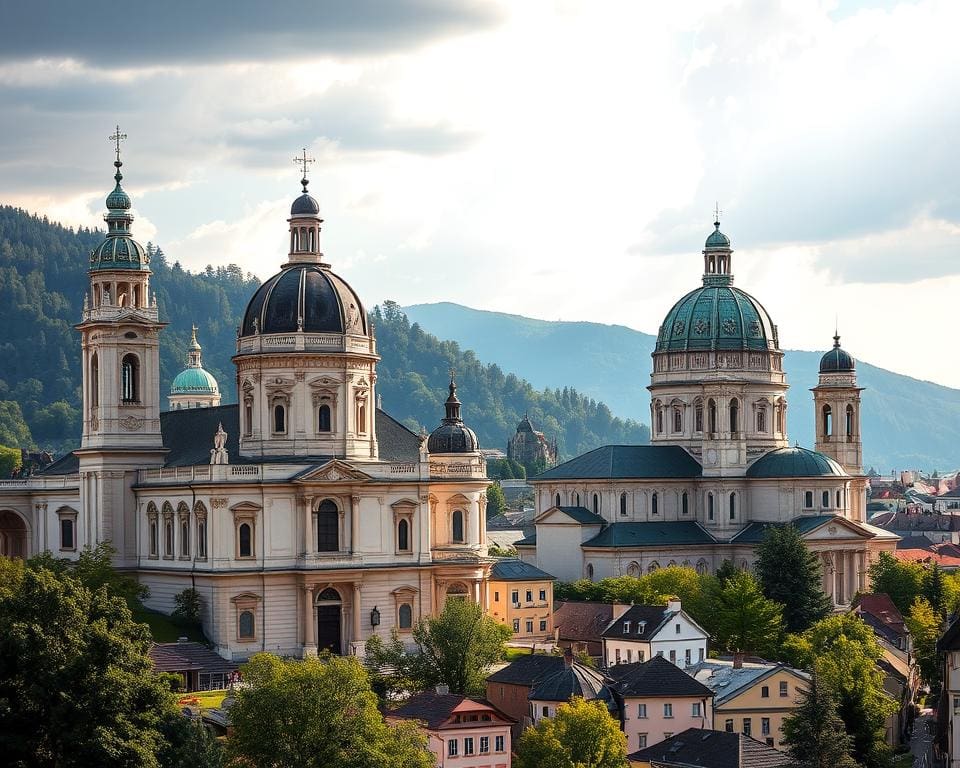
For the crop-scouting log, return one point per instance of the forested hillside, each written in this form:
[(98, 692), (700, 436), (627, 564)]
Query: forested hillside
[(43, 277)]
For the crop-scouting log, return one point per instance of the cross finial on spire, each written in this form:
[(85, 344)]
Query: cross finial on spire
[(304, 161), (716, 214), (117, 138)]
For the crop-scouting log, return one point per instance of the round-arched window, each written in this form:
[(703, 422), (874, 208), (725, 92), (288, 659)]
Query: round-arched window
[(406, 616), (245, 628), (403, 535), (328, 527), (457, 526), (245, 540)]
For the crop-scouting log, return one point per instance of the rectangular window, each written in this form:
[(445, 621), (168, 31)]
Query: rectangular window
[(515, 597), (667, 734), (529, 596), (468, 745), (668, 710), (543, 625), (496, 597), (783, 688), (765, 692), (728, 726), (641, 710), (452, 748), (686, 658), (498, 743), (529, 625), (546, 711), (700, 654), (695, 709), (641, 740), (543, 594), (626, 627), (747, 726), (629, 655), (484, 745), (616, 653), (677, 629), (516, 625), (673, 657), (765, 726), (66, 533)]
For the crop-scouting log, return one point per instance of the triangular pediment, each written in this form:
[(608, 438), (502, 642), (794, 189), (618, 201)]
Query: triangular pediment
[(334, 471), (834, 529), (568, 516)]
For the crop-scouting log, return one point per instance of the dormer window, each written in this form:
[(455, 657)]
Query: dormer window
[(641, 625), (626, 627)]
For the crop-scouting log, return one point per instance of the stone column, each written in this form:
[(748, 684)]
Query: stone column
[(862, 570), (308, 538), (485, 594), (355, 524), (356, 612), (309, 622), (341, 529), (476, 592), (829, 577)]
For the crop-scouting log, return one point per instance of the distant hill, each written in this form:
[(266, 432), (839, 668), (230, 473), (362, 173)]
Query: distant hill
[(43, 278), (907, 423)]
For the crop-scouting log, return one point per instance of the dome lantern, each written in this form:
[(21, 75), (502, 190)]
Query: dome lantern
[(717, 256), (194, 387), (453, 436), (837, 360), (305, 222)]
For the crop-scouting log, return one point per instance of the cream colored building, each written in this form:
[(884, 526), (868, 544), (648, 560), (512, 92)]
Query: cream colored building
[(305, 516), (720, 468)]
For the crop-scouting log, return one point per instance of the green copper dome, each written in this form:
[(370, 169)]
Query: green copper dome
[(795, 462), (119, 250), (194, 381), (717, 239), (717, 317)]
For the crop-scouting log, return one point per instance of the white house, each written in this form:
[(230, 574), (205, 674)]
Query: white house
[(646, 631)]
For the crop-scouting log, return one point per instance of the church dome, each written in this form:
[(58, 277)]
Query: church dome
[(119, 250), (717, 317), (304, 297), (717, 239), (304, 206), (194, 381), (837, 360), (453, 436), (795, 462)]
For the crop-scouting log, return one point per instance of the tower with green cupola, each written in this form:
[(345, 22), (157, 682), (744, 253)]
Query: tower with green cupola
[(120, 340), (194, 387)]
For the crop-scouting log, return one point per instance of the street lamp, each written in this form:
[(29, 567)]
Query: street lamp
[(374, 617)]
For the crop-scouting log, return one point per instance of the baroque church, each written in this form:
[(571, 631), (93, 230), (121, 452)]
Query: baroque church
[(306, 517), (719, 470)]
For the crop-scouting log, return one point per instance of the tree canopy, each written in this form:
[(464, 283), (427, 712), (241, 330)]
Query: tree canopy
[(790, 574), (814, 734), (581, 735), (742, 619)]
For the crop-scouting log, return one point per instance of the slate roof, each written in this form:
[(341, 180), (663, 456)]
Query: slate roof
[(650, 617), (435, 709), (651, 534), (656, 677), (526, 541), (755, 532), (517, 570), (582, 515), (184, 657), (700, 748), (571, 680), (188, 438), (581, 621), (527, 669), (726, 681), (626, 461)]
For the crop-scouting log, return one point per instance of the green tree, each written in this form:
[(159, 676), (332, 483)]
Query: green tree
[(581, 735), (496, 502), (846, 654), (9, 461), (14, 431), (924, 626), (902, 581), (935, 590), (726, 570), (814, 733), (76, 685), (94, 569), (790, 574), (187, 608), (317, 713), (743, 620), (188, 744)]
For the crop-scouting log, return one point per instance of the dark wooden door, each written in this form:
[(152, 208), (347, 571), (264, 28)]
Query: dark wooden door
[(328, 628)]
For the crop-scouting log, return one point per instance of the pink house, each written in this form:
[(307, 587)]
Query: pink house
[(660, 700), (461, 732)]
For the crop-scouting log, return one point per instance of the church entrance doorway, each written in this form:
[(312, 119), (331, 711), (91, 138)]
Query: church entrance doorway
[(329, 612), (13, 535)]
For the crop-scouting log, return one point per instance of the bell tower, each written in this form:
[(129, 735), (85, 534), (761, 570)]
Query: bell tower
[(119, 332), (836, 401)]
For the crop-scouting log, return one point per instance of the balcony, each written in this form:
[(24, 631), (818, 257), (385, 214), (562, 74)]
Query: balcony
[(306, 342)]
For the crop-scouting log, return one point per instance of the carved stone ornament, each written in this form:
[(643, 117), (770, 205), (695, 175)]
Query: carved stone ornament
[(701, 327), (755, 329), (679, 327), (94, 423), (218, 502), (131, 423), (729, 327)]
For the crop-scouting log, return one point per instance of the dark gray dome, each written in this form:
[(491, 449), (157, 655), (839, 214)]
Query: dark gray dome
[(304, 297), (453, 436), (305, 206), (837, 360)]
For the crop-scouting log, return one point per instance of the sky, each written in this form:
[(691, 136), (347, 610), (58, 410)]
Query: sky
[(559, 160)]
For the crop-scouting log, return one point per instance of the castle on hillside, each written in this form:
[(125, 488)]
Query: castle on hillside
[(530, 447)]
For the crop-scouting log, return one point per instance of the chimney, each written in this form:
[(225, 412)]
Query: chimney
[(738, 661), (568, 657), (619, 609), (443, 689), (673, 605)]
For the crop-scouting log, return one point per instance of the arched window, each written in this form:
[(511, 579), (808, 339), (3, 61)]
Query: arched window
[(838, 504), (361, 417), (130, 379), (405, 616), (328, 527), (762, 420), (558, 500), (154, 543), (457, 591), (590, 571), (403, 536), (827, 421), (623, 504), (712, 415), (578, 500), (734, 416), (323, 419), (808, 499), (698, 416), (677, 420), (781, 420), (94, 380), (633, 569), (654, 566), (709, 506), (851, 430), (456, 525), (733, 506), (684, 504), (825, 498), (248, 419), (329, 595), (168, 539), (184, 538), (655, 503), (702, 567), (596, 504), (279, 419), (245, 540), (659, 409), (245, 628), (201, 539)]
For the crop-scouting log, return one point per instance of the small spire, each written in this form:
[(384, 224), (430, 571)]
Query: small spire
[(304, 161), (193, 338), (453, 403), (716, 215)]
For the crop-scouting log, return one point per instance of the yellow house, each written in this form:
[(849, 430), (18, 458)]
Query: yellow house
[(521, 596), (752, 698)]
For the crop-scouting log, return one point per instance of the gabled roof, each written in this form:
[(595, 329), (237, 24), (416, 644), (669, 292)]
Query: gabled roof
[(436, 709), (656, 677), (700, 748), (517, 570), (581, 621), (643, 620), (755, 532), (626, 461), (651, 534), (580, 515), (186, 657), (526, 541), (527, 669), (950, 639), (727, 681), (571, 680), (879, 606)]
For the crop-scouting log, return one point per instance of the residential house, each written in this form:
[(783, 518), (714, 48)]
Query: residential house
[(199, 668), (461, 732), (700, 748), (752, 698), (580, 625), (572, 679), (658, 699), (508, 689), (947, 743), (520, 595), (645, 631)]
